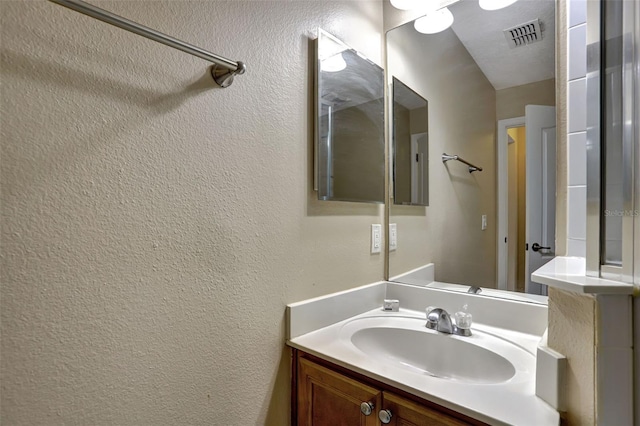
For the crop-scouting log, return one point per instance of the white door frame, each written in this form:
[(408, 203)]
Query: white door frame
[(503, 212), (417, 169)]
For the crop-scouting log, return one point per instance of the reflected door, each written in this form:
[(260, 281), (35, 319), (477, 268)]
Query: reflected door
[(540, 122), (419, 169)]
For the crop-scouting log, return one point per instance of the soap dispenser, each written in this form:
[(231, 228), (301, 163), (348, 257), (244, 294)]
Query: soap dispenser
[(463, 321)]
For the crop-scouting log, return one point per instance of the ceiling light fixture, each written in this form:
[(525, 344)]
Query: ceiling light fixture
[(333, 63), (434, 22), (495, 4), (405, 4), (441, 19)]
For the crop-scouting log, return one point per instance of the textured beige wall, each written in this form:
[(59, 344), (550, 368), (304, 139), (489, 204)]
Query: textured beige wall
[(153, 226), (510, 102), (461, 121), (572, 333)]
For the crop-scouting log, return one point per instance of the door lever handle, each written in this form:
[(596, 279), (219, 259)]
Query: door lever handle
[(538, 247)]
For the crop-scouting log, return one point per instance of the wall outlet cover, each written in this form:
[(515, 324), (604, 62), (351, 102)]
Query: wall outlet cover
[(393, 236), (376, 238)]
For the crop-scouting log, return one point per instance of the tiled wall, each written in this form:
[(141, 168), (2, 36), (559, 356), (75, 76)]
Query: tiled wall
[(576, 128)]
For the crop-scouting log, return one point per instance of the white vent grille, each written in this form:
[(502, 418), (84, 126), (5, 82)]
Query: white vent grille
[(523, 34)]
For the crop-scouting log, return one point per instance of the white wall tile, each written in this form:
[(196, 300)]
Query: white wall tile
[(576, 248), (577, 12), (577, 52), (577, 106), (576, 122), (577, 212), (577, 163)]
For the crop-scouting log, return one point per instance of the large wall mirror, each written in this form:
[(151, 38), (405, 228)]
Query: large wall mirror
[(349, 140), (489, 79)]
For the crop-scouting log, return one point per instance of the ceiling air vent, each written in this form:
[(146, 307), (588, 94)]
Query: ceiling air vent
[(523, 34)]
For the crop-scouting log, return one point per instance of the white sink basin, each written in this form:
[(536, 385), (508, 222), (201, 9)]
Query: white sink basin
[(489, 376), (405, 343)]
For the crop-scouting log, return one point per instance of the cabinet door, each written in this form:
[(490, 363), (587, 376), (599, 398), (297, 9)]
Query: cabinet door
[(408, 413), (327, 398)]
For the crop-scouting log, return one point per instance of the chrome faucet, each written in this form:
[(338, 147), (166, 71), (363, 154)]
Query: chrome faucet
[(474, 290), (439, 320)]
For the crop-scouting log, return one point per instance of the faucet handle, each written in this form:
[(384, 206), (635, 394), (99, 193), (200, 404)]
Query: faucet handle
[(463, 319)]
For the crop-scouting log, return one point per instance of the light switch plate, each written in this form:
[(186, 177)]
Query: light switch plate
[(376, 238), (393, 236), (484, 222)]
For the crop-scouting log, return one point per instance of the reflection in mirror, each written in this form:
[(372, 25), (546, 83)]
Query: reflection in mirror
[(410, 144), (613, 176), (477, 78), (349, 138)]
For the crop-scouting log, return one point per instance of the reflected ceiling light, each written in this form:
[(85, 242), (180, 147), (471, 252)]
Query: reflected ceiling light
[(405, 4), (333, 63), (434, 22), (495, 4)]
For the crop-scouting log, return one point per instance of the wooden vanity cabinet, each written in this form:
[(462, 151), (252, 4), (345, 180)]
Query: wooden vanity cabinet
[(328, 395), (406, 412), (329, 398)]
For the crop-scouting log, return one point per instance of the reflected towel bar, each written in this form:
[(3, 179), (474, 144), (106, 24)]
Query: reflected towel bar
[(472, 168), (222, 71)]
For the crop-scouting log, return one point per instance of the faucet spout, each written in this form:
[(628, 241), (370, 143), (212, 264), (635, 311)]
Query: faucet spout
[(439, 320)]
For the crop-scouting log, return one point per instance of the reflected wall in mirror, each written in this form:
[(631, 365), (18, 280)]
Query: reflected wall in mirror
[(349, 140), (473, 79), (410, 145)]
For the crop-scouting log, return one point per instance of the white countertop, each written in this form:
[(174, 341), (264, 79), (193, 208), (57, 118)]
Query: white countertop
[(512, 402), (568, 273)]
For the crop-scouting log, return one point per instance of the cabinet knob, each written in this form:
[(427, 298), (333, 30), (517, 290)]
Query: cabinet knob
[(367, 408), (385, 416)]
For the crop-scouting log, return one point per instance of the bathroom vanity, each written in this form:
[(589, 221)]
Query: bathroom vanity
[(327, 394), (355, 363)]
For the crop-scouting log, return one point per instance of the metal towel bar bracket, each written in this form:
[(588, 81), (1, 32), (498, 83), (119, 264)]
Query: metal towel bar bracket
[(472, 168), (222, 71)]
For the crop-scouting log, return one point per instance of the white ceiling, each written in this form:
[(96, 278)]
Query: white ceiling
[(481, 32)]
